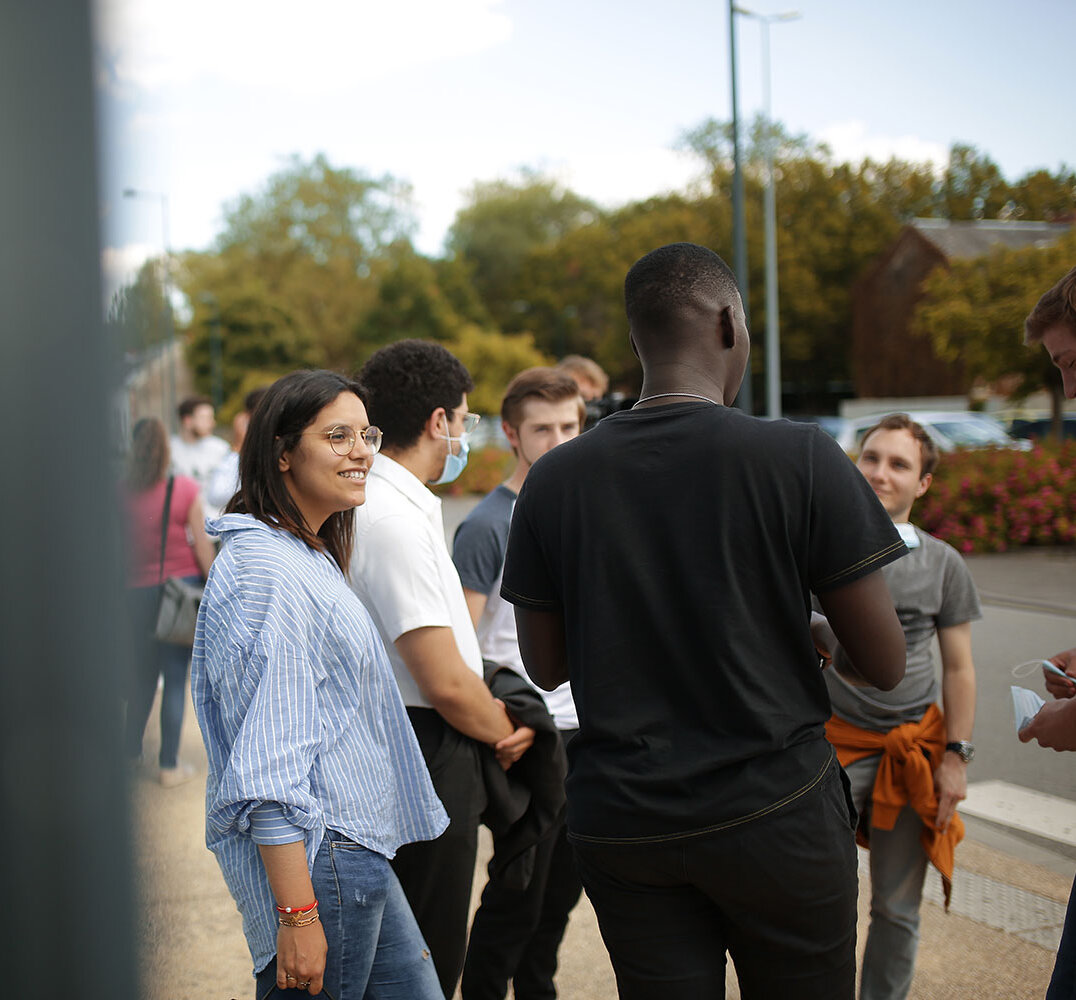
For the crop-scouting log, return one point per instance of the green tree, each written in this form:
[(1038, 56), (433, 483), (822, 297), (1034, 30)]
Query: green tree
[(972, 186), (501, 223), (493, 359), (974, 310), (294, 261), (1040, 195)]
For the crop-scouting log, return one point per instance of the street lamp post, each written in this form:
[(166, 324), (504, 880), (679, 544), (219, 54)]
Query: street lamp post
[(170, 350), (773, 337), (739, 225)]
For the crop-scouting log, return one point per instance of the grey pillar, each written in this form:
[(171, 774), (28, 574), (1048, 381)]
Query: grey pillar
[(64, 856)]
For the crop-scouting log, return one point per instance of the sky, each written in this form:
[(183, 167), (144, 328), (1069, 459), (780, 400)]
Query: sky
[(200, 102)]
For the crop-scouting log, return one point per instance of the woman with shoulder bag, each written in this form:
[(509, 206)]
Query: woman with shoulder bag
[(166, 529), (315, 775)]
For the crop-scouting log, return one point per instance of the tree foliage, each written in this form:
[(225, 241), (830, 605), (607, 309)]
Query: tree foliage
[(317, 267), (502, 222), (974, 311)]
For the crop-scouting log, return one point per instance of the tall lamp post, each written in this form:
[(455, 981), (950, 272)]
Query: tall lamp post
[(170, 351), (739, 225), (773, 336)]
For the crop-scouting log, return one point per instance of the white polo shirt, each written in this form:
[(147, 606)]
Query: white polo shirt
[(402, 572)]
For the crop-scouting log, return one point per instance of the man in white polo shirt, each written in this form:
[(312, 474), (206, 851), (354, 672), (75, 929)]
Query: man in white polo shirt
[(402, 572)]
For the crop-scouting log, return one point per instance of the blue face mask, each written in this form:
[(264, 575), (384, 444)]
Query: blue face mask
[(454, 464)]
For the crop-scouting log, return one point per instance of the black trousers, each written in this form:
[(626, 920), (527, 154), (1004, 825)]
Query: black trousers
[(778, 893), (1063, 981), (437, 875), (516, 933)]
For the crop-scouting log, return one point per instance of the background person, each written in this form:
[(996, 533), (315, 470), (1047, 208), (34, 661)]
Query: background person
[(315, 778), (929, 750), (403, 573), (517, 931), (224, 480), (187, 555), (588, 375), (664, 562), (196, 450)]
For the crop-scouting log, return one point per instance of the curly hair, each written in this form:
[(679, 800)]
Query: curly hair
[(150, 454), (406, 382), (1056, 307)]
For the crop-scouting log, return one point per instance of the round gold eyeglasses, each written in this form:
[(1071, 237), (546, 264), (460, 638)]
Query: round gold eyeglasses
[(342, 438)]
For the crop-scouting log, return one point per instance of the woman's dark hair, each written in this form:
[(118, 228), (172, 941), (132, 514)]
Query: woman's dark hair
[(288, 407), (150, 455)]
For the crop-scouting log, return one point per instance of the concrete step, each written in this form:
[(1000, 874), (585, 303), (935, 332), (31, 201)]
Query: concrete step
[(1047, 817)]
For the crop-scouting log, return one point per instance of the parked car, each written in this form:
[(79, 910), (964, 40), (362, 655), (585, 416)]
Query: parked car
[(948, 430), (1032, 427)]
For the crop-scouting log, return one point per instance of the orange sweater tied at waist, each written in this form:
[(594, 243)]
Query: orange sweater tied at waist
[(910, 754)]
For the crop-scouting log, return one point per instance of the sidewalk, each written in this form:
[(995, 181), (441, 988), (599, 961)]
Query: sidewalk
[(996, 943)]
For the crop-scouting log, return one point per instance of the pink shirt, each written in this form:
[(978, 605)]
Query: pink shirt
[(144, 511)]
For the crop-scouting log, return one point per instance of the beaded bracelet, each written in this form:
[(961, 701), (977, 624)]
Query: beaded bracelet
[(297, 909), (286, 922)]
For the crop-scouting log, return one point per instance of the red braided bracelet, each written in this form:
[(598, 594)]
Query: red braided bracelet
[(296, 909)]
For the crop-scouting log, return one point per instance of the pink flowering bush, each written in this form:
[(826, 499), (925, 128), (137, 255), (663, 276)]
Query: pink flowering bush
[(991, 500)]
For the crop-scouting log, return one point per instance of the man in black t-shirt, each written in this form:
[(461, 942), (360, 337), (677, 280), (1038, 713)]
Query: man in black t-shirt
[(664, 563)]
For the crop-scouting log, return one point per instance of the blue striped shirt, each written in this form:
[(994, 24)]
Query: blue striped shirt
[(298, 707)]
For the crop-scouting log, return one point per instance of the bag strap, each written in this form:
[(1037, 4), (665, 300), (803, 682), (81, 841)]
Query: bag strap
[(164, 526)]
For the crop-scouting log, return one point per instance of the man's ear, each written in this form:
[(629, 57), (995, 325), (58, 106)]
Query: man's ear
[(727, 328), (433, 422), (924, 485), (511, 434), (634, 349)]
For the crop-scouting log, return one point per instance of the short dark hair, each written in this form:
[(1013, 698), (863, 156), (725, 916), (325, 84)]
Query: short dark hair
[(928, 450), (547, 384), (675, 280), (406, 382), (1056, 307), (150, 454), (288, 407), (191, 403)]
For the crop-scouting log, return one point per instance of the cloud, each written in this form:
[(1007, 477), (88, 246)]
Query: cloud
[(319, 48), (850, 142)]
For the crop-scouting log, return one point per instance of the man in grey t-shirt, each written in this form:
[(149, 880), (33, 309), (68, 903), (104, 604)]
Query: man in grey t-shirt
[(934, 594)]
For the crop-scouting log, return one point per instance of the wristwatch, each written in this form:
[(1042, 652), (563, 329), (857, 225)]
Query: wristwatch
[(963, 749)]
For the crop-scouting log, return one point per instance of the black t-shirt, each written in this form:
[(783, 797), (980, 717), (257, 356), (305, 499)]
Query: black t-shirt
[(681, 544)]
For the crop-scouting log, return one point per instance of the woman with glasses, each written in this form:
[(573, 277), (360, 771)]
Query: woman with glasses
[(315, 777), (157, 551)]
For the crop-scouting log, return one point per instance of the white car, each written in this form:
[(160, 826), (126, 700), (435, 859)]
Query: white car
[(948, 429)]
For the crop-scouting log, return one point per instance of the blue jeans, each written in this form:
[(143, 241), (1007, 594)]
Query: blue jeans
[(375, 948), (150, 660)]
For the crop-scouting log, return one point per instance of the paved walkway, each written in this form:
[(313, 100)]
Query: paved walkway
[(996, 943)]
